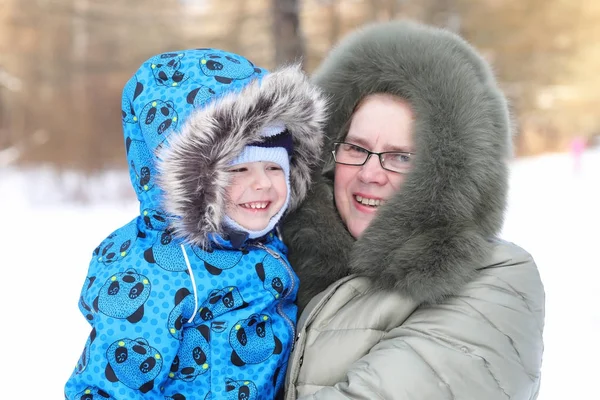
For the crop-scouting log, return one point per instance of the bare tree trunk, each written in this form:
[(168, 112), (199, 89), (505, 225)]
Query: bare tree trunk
[(393, 7), (234, 35), (334, 23), (289, 44), (79, 98), (444, 13), (374, 10)]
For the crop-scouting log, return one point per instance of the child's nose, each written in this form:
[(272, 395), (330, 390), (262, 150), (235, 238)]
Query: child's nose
[(261, 181)]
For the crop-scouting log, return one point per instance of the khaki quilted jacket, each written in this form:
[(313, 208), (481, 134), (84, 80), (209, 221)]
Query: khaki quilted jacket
[(484, 343)]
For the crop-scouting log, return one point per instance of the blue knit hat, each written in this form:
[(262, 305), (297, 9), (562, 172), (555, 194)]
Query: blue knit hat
[(277, 147)]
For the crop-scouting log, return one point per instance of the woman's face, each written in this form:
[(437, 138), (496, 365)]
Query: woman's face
[(380, 123)]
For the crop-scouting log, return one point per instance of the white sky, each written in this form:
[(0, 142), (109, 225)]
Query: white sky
[(47, 236)]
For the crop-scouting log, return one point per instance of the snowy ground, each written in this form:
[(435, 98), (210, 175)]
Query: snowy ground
[(554, 213), (48, 234)]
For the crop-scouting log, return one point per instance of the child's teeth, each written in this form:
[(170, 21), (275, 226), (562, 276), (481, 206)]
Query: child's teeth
[(256, 205)]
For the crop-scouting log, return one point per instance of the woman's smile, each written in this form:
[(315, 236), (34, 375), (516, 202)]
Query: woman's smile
[(367, 203)]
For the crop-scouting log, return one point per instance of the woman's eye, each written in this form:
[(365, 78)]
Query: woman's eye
[(402, 158), (354, 149)]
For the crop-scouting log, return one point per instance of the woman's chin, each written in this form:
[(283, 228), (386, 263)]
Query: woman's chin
[(357, 227)]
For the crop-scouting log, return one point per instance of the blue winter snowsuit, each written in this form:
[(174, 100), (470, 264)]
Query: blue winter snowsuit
[(170, 318)]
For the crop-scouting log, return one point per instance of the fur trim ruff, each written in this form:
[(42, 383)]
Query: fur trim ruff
[(432, 236), (193, 167)]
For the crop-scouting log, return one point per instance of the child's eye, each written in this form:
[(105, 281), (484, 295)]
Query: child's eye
[(274, 168), (242, 169)]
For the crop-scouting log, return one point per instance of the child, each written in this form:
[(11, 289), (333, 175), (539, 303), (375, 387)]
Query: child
[(194, 298)]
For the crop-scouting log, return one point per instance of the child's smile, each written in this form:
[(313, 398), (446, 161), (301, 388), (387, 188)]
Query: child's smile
[(256, 193), (256, 206)]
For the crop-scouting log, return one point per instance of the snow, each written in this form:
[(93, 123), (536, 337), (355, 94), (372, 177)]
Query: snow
[(554, 213), (52, 222)]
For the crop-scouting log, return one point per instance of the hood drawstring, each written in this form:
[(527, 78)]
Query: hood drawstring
[(189, 267)]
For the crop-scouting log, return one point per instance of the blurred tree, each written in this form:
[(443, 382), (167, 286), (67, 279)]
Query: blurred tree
[(63, 63), (577, 100), (289, 46), (242, 26), (74, 57), (531, 45)]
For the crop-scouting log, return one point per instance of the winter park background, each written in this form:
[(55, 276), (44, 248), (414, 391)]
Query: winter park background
[(52, 223), (63, 64)]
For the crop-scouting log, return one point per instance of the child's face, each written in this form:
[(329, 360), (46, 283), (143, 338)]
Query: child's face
[(256, 193)]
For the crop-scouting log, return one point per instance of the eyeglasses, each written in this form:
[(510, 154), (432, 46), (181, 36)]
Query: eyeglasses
[(351, 154)]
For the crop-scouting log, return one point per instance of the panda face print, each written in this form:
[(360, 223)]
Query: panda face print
[(216, 261), (93, 393), (155, 220), (183, 310), (226, 67), (252, 340), (123, 296), (158, 119), (133, 362), (199, 96), (274, 276), (85, 308), (240, 389), (141, 166), (166, 69), (85, 355), (165, 255), (117, 245), (193, 357), (220, 301), (176, 396), (132, 90)]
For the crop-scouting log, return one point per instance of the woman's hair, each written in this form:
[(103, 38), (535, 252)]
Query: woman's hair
[(343, 132)]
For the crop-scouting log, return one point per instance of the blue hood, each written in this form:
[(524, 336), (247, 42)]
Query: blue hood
[(160, 97), (187, 115)]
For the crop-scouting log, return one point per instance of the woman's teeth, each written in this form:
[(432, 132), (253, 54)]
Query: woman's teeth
[(369, 202), (256, 205)]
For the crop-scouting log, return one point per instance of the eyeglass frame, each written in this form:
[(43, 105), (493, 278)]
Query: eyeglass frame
[(369, 154)]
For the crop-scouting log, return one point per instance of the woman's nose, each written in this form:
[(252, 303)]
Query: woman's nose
[(372, 171)]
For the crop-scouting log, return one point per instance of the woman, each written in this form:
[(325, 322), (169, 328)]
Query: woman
[(410, 294)]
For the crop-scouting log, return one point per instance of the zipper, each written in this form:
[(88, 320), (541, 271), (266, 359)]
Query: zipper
[(276, 255)]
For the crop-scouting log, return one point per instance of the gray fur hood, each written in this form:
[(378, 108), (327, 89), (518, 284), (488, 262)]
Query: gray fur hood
[(193, 167), (433, 235)]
